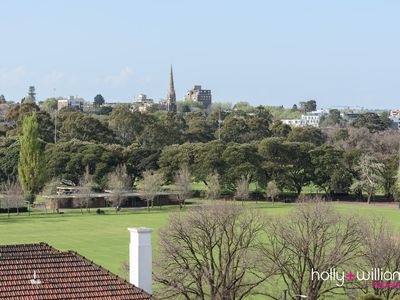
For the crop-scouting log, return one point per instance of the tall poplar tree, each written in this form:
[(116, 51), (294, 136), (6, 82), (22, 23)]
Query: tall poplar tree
[(30, 165)]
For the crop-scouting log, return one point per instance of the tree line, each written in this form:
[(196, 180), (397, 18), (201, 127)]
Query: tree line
[(245, 146)]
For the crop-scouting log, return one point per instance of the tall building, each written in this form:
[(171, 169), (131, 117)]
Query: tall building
[(171, 97), (199, 95)]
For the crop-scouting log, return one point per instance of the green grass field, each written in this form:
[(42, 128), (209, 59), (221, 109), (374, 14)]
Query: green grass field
[(104, 239)]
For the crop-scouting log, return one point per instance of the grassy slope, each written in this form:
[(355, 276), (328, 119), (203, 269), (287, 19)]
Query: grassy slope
[(105, 239)]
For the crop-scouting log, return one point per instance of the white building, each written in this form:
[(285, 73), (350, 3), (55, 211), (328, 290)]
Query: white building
[(312, 118), (72, 101), (394, 116), (142, 103)]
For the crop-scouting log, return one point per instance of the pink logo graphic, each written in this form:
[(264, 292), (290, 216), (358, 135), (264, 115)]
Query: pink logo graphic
[(350, 276)]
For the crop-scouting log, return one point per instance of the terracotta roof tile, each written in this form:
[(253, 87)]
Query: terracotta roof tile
[(60, 275)]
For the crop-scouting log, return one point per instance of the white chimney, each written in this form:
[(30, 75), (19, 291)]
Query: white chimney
[(140, 258)]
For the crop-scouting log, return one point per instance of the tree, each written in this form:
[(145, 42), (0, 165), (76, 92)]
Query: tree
[(330, 171), (241, 127), (208, 160), (312, 237), (372, 121), (67, 160), (369, 176), (50, 196), (280, 130), (183, 183), (288, 163), (380, 247), (200, 128), (139, 159), (12, 196), (98, 100), (389, 173), (2, 99), (76, 125), (308, 106), (397, 184), (297, 168), (272, 190), (332, 119), (50, 104), (85, 190), (151, 186), (168, 129), (239, 160), (30, 166), (119, 184), (213, 188), (242, 189), (126, 125), (9, 156), (32, 93), (212, 252), (307, 135), (17, 114)]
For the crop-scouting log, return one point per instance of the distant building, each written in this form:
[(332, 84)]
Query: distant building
[(292, 122), (114, 104), (71, 102), (395, 113), (197, 94), (350, 117), (142, 103), (394, 116), (312, 118), (170, 102)]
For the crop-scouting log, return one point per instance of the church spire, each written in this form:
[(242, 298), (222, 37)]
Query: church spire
[(171, 97)]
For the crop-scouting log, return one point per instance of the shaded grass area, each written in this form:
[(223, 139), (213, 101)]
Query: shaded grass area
[(104, 239)]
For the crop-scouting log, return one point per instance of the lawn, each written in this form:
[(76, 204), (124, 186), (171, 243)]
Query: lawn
[(105, 239)]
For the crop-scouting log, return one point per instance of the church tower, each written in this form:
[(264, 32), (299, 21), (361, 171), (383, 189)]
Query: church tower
[(171, 97)]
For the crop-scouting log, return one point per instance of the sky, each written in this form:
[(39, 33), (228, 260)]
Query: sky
[(338, 52)]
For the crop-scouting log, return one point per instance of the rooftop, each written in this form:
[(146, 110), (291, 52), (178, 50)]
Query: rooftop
[(58, 275)]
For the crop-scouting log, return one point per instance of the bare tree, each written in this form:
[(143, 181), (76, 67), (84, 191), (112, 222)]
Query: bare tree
[(183, 185), (213, 188), (119, 183), (272, 190), (370, 176), (212, 252), (50, 196), (242, 189), (12, 196), (151, 186), (313, 237), (381, 251), (85, 190)]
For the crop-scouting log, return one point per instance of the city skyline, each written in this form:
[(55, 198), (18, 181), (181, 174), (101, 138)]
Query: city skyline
[(265, 53)]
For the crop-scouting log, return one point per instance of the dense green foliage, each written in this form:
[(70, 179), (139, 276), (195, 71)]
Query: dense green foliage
[(31, 171), (247, 141)]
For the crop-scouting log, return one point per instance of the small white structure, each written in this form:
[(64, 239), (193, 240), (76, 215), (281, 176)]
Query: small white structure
[(140, 258), (312, 118), (394, 116)]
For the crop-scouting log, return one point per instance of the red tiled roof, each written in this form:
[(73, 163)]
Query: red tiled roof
[(62, 275)]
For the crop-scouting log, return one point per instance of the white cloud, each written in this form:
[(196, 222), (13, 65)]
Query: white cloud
[(52, 78), (10, 77), (125, 75)]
